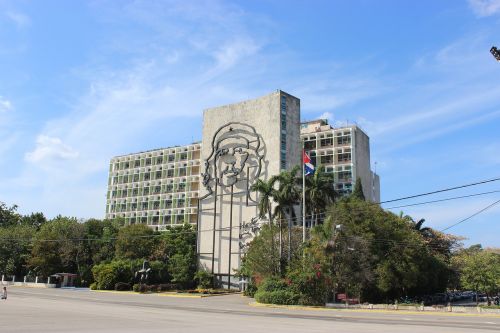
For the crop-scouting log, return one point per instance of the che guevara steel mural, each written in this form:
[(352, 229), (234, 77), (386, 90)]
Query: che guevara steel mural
[(234, 164)]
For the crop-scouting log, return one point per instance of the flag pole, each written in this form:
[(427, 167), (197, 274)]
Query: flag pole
[(303, 196)]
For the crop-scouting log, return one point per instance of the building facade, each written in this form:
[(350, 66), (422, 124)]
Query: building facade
[(343, 151), (158, 187)]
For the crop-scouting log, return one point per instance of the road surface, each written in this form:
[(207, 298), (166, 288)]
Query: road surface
[(64, 310)]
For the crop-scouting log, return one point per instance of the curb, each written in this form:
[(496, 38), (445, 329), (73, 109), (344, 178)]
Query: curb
[(319, 308), (115, 292), (175, 295), (194, 295)]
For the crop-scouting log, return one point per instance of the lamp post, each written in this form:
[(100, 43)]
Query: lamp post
[(495, 52)]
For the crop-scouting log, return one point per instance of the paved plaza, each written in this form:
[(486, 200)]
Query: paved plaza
[(81, 310)]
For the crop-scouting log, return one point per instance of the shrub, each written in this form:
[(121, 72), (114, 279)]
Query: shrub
[(311, 287), (273, 284), (204, 279), (143, 288), (284, 297), (136, 287), (122, 286), (93, 286), (251, 290), (169, 286), (183, 268)]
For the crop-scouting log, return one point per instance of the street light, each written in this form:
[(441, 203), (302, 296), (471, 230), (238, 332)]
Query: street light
[(495, 52)]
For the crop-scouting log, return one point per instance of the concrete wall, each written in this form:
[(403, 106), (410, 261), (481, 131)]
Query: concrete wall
[(241, 143), (361, 155)]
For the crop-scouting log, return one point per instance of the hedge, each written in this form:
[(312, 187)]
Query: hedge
[(277, 297)]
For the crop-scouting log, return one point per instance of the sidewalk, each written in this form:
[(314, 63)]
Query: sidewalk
[(379, 308)]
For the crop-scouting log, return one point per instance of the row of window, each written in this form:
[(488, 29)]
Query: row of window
[(157, 220), (329, 159), (155, 175), (141, 162), (344, 157), (142, 191), (165, 204), (327, 142)]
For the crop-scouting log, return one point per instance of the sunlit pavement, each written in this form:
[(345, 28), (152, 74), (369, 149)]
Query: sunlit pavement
[(80, 310)]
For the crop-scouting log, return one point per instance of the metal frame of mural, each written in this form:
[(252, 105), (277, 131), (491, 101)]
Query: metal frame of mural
[(234, 146)]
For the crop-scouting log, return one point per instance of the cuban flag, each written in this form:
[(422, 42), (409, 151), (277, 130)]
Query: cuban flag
[(308, 166)]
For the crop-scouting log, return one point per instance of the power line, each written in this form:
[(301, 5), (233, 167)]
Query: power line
[(476, 213), (443, 190), (446, 199)]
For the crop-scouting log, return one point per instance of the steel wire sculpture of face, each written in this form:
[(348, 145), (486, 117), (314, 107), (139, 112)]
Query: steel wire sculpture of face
[(235, 157)]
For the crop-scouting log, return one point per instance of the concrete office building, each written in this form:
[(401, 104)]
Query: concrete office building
[(344, 151), (208, 183), (158, 187), (242, 142)]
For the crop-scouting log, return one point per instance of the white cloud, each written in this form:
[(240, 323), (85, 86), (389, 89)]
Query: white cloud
[(485, 7), (447, 90), (326, 115), (20, 19), (229, 54), (156, 97), (50, 149), (5, 104)]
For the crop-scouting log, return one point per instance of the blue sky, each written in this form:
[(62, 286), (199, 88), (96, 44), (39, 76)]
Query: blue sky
[(84, 81)]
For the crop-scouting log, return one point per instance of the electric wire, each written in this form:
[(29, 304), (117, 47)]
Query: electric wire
[(446, 199), (471, 216), (442, 190)]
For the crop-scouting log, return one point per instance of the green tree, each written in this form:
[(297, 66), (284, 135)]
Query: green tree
[(98, 245), (287, 195), (259, 262), (8, 215), (135, 241), (267, 192), (15, 249), (58, 247), (177, 247), (320, 193), (35, 220), (480, 271), (348, 256), (358, 190), (100, 239), (395, 258)]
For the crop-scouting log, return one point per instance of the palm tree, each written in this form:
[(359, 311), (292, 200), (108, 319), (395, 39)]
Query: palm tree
[(320, 192), (426, 232), (267, 193), (287, 196)]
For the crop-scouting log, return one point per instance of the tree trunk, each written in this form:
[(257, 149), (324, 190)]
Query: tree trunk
[(289, 218), (273, 250), (281, 243)]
